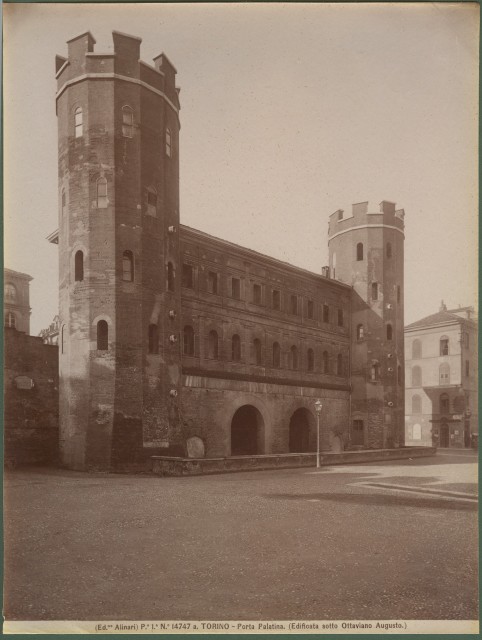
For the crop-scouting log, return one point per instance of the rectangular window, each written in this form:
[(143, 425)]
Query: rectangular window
[(276, 299), (294, 305), (188, 276), (340, 317), (257, 293), (310, 310), (467, 368), (444, 347), (374, 290), (212, 282), (326, 313), (236, 288)]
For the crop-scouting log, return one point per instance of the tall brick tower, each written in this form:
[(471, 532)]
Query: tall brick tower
[(366, 251), (118, 137)]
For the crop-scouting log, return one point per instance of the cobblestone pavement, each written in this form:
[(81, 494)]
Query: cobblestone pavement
[(298, 544)]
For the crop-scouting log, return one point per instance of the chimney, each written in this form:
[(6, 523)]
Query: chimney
[(443, 306)]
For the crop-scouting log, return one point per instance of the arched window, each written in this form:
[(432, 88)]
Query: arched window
[(101, 193), (102, 335), (444, 373), (188, 341), (359, 332), (10, 320), (168, 143), (128, 266), (389, 250), (153, 339), (389, 332), (326, 362), (78, 122), (359, 251), (276, 355), (416, 404), (293, 357), (170, 276), (213, 345), (444, 346), (10, 292), (444, 403), (416, 349), (152, 201), (62, 339), (416, 376), (375, 371), (310, 360), (374, 290), (127, 122), (236, 348), (257, 351), (339, 365), (79, 266)]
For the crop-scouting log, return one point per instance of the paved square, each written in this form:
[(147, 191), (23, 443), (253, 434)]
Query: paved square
[(280, 545)]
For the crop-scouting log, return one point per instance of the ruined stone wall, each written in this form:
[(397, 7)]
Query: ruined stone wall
[(31, 415)]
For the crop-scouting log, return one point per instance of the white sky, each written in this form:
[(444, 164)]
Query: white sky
[(288, 113)]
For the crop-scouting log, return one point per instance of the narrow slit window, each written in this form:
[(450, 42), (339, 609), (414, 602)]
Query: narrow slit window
[(79, 266), (78, 123), (127, 122), (102, 335), (168, 143), (375, 372), (389, 332), (128, 266), (359, 251), (389, 250), (359, 332), (10, 320), (374, 290), (101, 193)]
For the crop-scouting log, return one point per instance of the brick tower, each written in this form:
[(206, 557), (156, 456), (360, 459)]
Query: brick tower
[(366, 252), (118, 142)]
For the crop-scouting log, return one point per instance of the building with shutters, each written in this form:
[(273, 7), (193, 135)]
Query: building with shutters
[(441, 376), (173, 341)]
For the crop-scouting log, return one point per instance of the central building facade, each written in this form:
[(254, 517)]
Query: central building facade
[(176, 342)]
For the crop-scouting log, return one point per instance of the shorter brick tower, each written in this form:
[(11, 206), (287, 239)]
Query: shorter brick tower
[(366, 252), (120, 370)]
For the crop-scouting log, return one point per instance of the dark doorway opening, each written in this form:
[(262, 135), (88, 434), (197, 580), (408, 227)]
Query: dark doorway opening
[(444, 436), (246, 432), (299, 440), (357, 433)]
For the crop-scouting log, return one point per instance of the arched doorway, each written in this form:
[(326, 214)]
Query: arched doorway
[(299, 438), (247, 428), (444, 435)]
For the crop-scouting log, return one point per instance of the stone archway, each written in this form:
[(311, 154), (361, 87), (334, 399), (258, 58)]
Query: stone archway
[(301, 423), (247, 431)]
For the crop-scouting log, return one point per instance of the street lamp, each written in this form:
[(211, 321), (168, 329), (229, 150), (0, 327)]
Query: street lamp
[(318, 407)]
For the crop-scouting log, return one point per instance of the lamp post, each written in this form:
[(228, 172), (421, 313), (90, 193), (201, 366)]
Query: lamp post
[(318, 407)]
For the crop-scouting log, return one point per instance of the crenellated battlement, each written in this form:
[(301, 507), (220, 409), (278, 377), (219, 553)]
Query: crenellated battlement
[(83, 63), (360, 216)]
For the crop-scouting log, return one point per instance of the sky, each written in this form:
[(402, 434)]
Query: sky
[(288, 113)]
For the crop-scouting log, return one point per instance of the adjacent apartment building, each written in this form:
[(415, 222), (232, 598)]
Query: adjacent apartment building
[(16, 302), (441, 379)]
